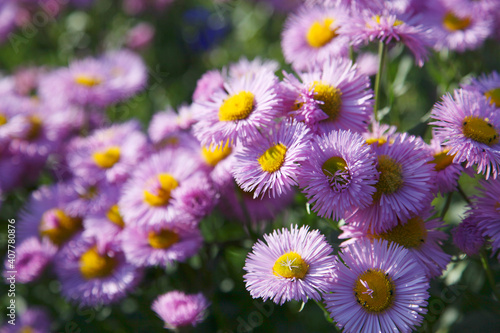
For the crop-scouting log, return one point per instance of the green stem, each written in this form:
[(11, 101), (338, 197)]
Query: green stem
[(489, 274), (446, 205), (462, 193), (382, 50), (325, 311)]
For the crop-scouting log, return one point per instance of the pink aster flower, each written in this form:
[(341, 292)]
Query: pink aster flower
[(468, 235), (33, 320), (332, 97), (245, 67), (109, 221), (470, 127), (109, 153), (162, 245), (150, 196), (386, 25), (271, 164), (248, 104), (420, 235), (95, 272), (46, 215), (178, 309), (487, 85), (339, 174), (207, 85), (312, 37), (447, 172), (458, 26), (8, 13), (487, 211), (32, 258), (292, 264), (404, 188), (140, 36), (219, 162), (377, 287)]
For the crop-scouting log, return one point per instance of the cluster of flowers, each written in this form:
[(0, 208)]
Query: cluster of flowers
[(125, 201)]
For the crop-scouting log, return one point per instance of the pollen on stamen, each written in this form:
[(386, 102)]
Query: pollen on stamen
[(273, 158), (95, 265), (331, 98), (480, 130), (105, 159), (455, 23), (320, 33), (494, 96), (374, 290), (391, 176), (411, 234), (214, 155), (163, 239), (237, 107), (87, 80), (159, 190), (59, 227), (442, 160), (290, 265)]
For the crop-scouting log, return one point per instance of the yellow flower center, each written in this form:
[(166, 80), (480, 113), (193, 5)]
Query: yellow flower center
[(273, 158), (165, 183), (377, 18), (58, 226), (26, 329), (493, 95), (237, 107), (442, 160), (391, 176), (331, 98), (411, 235), (479, 130), (163, 239), (94, 265), (374, 290), (454, 23), (87, 80), (378, 141), (214, 156), (35, 127), (114, 216), (105, 159), (3, 119), (320, 33), (290, 265)]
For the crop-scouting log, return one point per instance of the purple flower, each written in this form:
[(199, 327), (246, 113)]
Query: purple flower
[(162, 245), (178, 309), (468, 236), (420, 235), (292, 264), (32, 320), (332, 97), (32, 257), (312, 36), (487, 85), (109, 153), (459, 25), (271, 163), (470, 127), (248, 104), (447, 172), (46, 215), (487, 211), (150, 197), (339, 174), (207, 85), (94, 272), (386, 25), (140, 36), (377, 287), (404, 188)]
